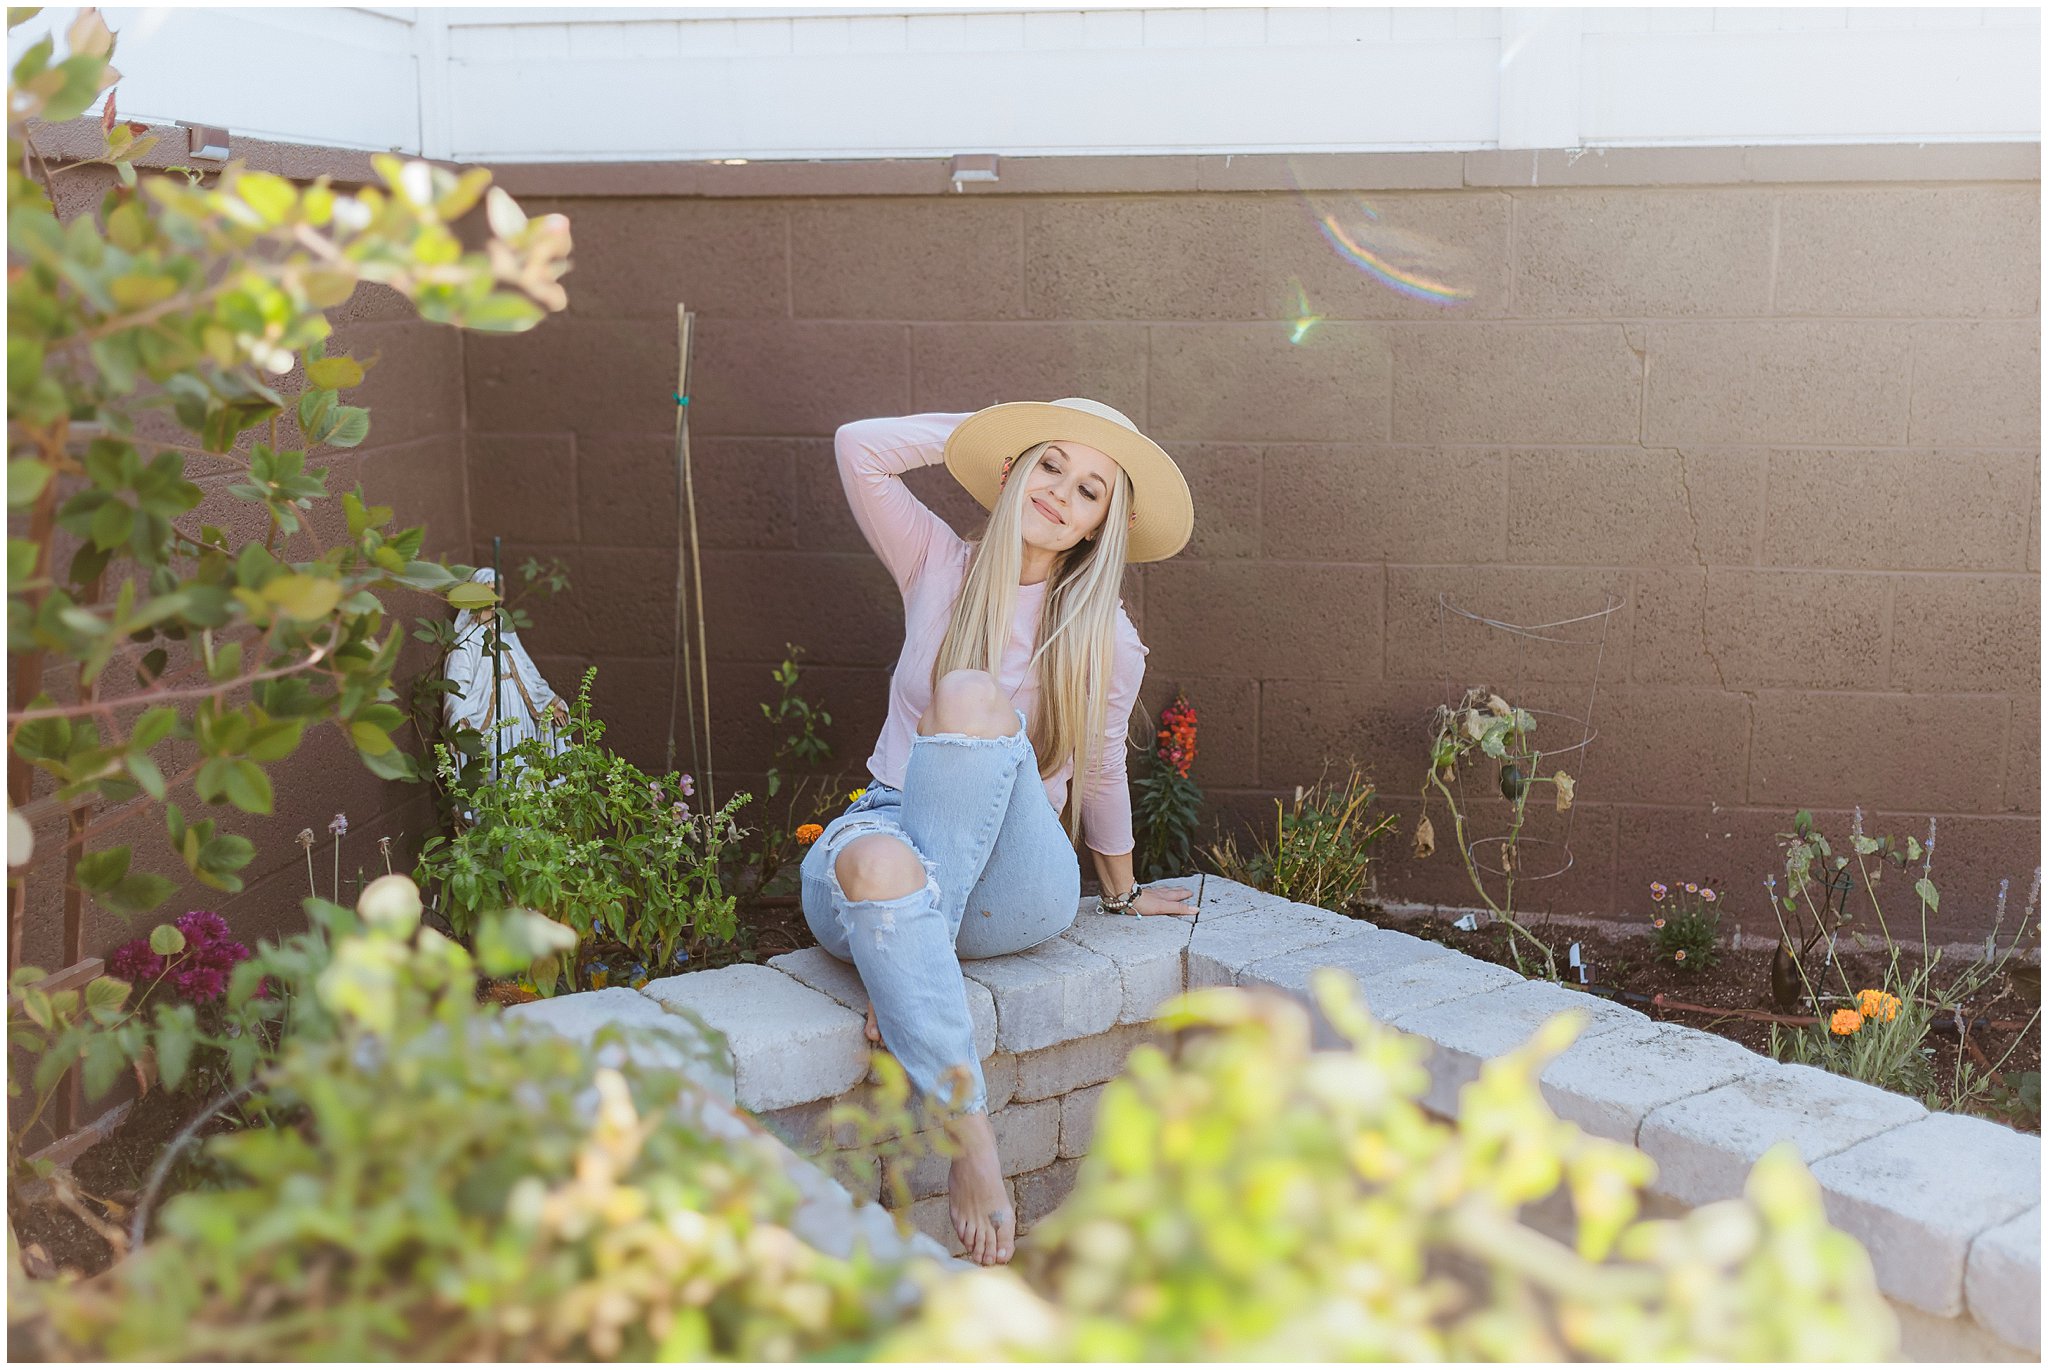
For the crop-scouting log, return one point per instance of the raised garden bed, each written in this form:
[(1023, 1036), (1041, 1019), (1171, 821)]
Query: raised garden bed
[(1947, 1206), (1739, 984)]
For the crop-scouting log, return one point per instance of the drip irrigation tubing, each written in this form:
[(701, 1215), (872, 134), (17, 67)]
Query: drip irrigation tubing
[(1945, 1023)]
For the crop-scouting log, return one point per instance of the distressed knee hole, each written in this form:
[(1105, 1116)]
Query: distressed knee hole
[(968, 703), (879, 866)]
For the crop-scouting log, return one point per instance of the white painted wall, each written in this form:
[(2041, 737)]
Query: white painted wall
[(633, 84)]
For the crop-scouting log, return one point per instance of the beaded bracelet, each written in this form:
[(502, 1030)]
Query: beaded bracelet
[(1115, 903)]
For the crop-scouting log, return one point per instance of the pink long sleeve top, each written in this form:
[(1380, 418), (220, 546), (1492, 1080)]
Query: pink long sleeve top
[(929, 563)]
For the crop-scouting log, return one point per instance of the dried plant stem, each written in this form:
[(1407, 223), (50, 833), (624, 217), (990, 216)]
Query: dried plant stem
[(1505, 915), (161, 1171)]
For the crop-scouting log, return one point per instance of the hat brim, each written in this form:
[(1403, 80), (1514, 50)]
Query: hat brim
[(977, 449)]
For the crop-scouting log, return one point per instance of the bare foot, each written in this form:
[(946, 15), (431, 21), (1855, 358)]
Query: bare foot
[(979, 1203), (873, 1030)]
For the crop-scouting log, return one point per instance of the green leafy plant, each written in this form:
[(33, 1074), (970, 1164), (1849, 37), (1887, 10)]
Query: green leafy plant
[(2014, 1099), (592, 841), (60, 1028), (1166, 805), (813, 797), (1685, 925), (178, 306), (1246, 1198), (448, 1185), (210, 1046), (1501, 734), (1322, 848), (1880, 1033)]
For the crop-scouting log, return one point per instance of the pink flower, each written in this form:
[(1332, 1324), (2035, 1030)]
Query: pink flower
[(338, 825), (681, 811), (1657, 893), (1657, 887), (1708, 895), (688, 787)]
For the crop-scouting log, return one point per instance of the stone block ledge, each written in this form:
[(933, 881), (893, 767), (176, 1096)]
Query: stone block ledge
[(1948, 1206)]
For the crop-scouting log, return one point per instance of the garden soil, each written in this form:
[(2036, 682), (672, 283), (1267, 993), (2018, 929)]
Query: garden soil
[(109, 1177)]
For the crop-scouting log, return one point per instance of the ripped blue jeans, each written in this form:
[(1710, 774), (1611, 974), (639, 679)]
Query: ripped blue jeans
[(1001, 876)]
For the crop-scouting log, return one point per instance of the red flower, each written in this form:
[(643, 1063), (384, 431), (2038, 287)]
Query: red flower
[(1177, 734)]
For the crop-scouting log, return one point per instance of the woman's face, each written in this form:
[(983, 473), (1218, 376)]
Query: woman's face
[(1066, 495)]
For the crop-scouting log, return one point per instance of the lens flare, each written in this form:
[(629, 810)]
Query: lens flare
[(1304, 321), (1397, 260)]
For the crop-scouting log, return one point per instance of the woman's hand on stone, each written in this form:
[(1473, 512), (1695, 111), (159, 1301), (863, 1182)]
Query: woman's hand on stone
[(1168, 900)]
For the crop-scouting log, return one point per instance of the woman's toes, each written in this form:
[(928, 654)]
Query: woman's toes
[(970, 1238), (1004, 1238)]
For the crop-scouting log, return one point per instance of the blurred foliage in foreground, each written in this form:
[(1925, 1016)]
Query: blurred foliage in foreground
[(446, 1188), (1258, 1201)]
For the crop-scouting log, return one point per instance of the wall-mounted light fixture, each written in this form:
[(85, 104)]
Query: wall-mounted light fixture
[(974, 166), (205, 144)]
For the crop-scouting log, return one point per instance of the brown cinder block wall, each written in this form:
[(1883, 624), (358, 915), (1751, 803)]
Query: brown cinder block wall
[(1792, 421)]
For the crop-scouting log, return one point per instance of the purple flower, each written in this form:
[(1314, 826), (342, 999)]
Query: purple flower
[(339, 825), (654, 788), (135, 963), (222, 956), (200, 984), (688, 787), (202, 928), (681, 811)]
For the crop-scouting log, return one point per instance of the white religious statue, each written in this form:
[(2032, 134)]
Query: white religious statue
[(526, 705)]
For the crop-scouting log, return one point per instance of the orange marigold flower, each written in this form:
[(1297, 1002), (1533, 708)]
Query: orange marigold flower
[(1875, 1003), (809, 833), (1845, 1022)]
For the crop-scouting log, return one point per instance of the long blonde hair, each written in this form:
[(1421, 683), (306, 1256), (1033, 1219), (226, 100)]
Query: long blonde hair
[(1076, 627)]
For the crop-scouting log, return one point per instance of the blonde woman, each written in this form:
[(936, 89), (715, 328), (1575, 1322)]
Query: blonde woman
[(1004, 746)]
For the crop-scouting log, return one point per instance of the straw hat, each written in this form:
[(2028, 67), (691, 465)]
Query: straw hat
[(1165, 512)]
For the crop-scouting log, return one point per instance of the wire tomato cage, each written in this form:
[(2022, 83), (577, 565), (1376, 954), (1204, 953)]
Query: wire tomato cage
[(1543, 666)]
